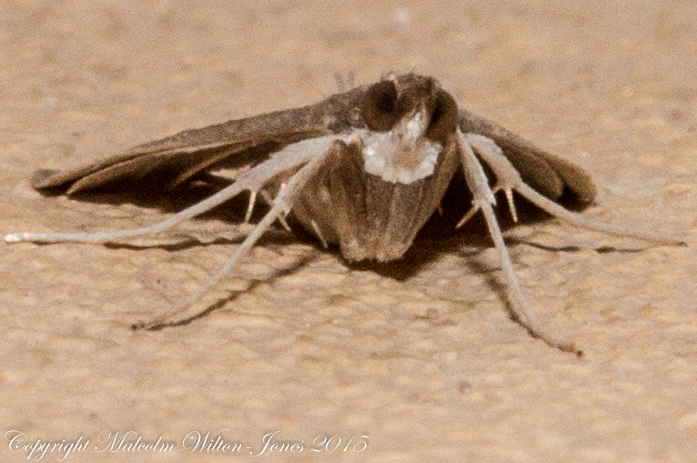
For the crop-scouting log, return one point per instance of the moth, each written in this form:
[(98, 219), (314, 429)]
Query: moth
[(364, 170)]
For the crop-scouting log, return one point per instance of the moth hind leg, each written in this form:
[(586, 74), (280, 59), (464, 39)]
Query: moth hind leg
[(509, 179)]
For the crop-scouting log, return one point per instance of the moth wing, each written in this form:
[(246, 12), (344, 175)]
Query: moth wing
[(548, 174), (174, 160), (134, 165)]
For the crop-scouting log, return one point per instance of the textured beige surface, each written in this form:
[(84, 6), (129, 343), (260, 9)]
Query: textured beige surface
[(429, 366)]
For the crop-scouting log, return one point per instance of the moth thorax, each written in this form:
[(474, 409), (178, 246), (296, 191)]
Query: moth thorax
[(403, 154)]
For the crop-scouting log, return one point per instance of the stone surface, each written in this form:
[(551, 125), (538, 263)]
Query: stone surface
[(424, 359)]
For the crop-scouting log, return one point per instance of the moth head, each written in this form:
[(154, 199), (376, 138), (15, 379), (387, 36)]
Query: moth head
[(410, 119), (403, 97)]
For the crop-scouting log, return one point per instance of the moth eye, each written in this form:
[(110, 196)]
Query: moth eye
[(379, 108), (443, 118)]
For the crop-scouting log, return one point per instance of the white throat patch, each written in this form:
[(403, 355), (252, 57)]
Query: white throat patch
[(403, 154)]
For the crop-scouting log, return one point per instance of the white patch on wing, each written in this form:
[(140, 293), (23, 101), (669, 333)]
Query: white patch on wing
[(403, 154)]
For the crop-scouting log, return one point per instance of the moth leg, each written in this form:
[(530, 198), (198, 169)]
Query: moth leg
[(319, 234), (469, 215), (253, 180), (269, 200), (506, 179), (508, 176), (511, 205), (283, 202), (503, 182), (484, 199), (250, 208)]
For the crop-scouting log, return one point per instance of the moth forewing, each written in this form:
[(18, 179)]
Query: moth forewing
[(364, 169)]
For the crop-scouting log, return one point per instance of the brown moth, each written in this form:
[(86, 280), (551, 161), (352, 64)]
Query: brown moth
[(364, 169)]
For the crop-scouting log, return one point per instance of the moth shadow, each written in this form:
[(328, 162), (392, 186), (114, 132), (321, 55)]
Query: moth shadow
[(224, 301), (440, 236), (152, 195), (272, 237)]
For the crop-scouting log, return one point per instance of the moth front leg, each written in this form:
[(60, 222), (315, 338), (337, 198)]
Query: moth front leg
[(484, 200), (311, 152), (282, 204), (253, 180)]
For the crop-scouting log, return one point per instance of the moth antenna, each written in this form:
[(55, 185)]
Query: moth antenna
[(345, 84), (510, 178), (319, 234), (283, 201), (250, 208), (440, 208), (392, 75), (351, 79), (484, 199), (269, 200), (339, 79)]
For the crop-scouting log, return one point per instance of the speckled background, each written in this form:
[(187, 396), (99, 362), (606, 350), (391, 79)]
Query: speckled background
[(423, 359)]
